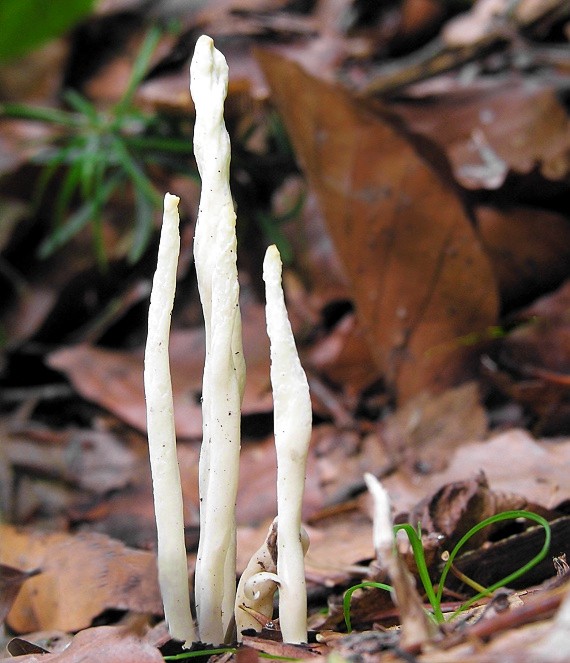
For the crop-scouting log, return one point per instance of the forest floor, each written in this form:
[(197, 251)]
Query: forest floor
[(411, 161)]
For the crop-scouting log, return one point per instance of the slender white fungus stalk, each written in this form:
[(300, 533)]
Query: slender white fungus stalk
[(172, 562), (292, 421), (224, 369)]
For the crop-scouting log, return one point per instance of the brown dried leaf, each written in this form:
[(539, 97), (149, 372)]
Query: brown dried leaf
[(81, 576), (95, 460), (282, 649), (341, 459), (112, 644), (343, 356), (114, 379), (529, 249), (11, 580), (544, 341), (513, 462), (419, 277), (426, 430), (495, 126), (456, 507)]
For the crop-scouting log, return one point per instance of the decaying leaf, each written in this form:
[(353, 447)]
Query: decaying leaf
[(11, 580), (112, 644), (419, 278), (427, 429), (513, 462), (113, 378), (533, 361), (500, 124), (529, 249), (81, 576), (94, 460)]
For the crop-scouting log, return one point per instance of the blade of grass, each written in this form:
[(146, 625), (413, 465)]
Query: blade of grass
[(200, 652), (46, 175), (143, 226), (506, 515), (135, 172), (41, 114), (139, 69), (67, 189), (93, 160), (78, 220), (348, 596), (157, 144), (82, 105), (419, 557), (97, 221)]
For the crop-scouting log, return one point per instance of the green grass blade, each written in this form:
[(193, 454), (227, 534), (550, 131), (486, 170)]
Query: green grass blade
[(139, 69), (93, 163), (82, 105), (135, 172), (158, 144), (418, 551), (78, 220), (41, 114), (99, 199), (143, 226), (68, 187), (200, 652), (506, 515), (348, 596)]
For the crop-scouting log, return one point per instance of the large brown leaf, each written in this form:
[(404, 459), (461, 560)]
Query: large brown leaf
[(418, 273), (81, 576)]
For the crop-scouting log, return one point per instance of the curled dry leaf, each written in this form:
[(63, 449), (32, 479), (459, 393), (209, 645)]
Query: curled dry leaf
[(458, 506), (419, 278)]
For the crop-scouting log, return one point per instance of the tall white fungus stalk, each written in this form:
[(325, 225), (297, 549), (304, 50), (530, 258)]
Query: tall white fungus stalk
[(172, 562), (224, 370)]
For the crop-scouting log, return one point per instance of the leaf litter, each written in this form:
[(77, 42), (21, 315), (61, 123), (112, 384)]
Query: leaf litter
[(427, 292)]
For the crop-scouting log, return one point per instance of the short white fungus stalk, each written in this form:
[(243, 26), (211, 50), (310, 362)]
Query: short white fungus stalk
[(382, 525), (259, 582), (292, 421), (416, 626), (172, 562), (224, 369), (256, 589)]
